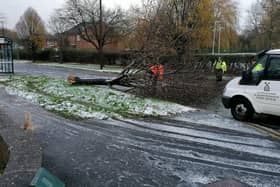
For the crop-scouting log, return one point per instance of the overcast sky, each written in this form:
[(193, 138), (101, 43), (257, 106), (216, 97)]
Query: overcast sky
[(13, 9)]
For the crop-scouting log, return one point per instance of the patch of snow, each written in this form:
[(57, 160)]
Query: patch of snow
[(269, 148), (33, 98), (88, 101), (215, 120), (184, 130), (4, 79)]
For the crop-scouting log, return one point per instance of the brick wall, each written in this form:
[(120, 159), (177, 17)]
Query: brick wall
[(77, 42)]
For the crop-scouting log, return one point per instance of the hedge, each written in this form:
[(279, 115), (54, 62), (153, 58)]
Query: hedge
[(234, 57), (82, 56), (239, 60)]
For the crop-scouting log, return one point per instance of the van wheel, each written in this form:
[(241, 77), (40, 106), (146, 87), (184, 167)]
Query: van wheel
[(241, 109)]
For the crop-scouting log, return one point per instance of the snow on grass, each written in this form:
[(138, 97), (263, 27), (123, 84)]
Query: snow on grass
[(91, 67), (32, 97), (4, 79), (87, 101)]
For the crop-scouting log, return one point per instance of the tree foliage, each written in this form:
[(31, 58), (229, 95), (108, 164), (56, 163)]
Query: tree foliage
[(225, 13), (205, 21), (162, 29), (11, 34), (164, 32), (198, 22), (31, 30)]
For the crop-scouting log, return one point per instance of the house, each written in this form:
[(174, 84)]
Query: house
[(74, 40), (50, 42)]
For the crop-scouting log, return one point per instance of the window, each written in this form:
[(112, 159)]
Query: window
[(273, 70), (260, 65), (78, 38), (258, 70)]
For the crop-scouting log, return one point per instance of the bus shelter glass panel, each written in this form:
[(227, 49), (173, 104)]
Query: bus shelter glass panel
[(6, 55)]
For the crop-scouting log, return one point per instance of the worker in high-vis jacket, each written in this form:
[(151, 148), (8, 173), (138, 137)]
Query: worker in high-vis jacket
[(258, 68), (220, 69), (257, 71), (157, 71)]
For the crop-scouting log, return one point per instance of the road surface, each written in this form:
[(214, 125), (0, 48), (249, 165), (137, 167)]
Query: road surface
[(192, 149)]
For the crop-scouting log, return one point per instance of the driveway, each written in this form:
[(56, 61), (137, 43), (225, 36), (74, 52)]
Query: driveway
[(192, 149)]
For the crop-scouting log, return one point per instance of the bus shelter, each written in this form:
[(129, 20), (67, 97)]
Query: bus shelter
[(6, 55)]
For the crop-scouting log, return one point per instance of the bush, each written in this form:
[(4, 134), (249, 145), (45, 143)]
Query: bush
[(45, 55), (236, 62), (74, 55), (79, 56), (92, 56), (230, 58), (20, 54)]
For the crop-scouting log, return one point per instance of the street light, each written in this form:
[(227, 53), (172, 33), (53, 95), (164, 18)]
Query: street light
[(2, 21), (214, 38), (217, 27)]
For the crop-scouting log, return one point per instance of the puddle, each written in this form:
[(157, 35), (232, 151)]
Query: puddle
[(4, 155)]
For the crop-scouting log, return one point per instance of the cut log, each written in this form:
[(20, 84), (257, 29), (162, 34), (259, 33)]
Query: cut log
[(78, 81)]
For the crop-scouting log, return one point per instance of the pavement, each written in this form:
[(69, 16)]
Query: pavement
[(24, 154), (193, 149)]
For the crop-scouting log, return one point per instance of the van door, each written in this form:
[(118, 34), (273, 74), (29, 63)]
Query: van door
[(255, 88), (268, 90)]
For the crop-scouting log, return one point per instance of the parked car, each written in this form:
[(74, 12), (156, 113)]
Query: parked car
[(258, 90)]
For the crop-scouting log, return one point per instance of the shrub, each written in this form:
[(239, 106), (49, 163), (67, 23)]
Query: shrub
[(45, 55)]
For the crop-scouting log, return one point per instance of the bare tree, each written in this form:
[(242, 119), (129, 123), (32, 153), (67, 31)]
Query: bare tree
[(84, 15), (255, 15), (59, 27), (31, 30), (271, 20), (263, 24), (163, 29)]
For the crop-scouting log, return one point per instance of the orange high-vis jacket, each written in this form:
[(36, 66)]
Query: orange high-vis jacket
[(158, 70)]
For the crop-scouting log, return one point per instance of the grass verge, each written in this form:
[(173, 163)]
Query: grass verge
[(79, 102)]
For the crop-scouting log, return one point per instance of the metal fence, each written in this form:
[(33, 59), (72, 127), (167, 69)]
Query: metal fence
[(6, 55)]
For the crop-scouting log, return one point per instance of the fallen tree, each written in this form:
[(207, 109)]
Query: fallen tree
[(158, 33)]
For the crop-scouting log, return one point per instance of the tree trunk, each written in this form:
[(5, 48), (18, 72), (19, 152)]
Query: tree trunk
[(33, 53), (61, 49), (109, 82), (61, 56), (101, 58)]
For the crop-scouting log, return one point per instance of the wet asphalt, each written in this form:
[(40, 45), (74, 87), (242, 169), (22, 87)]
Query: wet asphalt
[(193, 149)]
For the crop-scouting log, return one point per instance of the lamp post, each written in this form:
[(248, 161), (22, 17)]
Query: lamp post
[(217, 27), (214, 38), (219, 45), (2, 21)]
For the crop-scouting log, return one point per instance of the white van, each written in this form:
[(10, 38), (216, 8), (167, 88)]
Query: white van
[(258, 90)]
